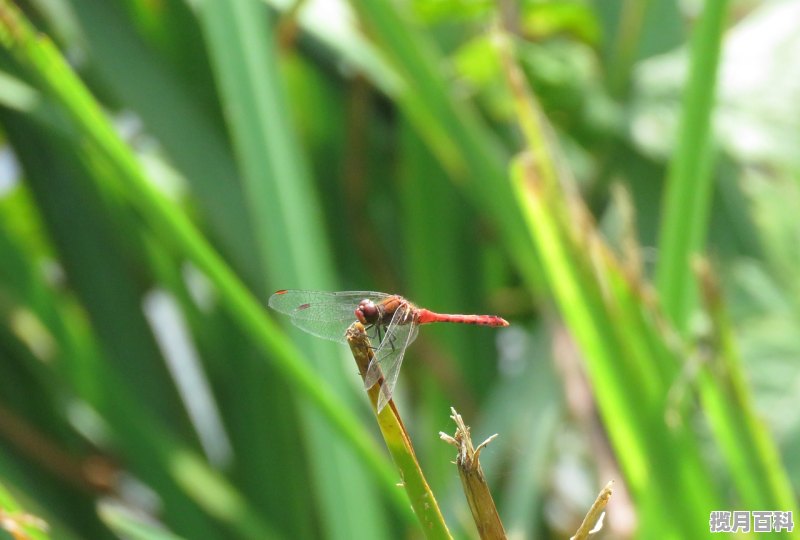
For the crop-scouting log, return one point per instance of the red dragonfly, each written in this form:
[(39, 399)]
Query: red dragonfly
[(390, 320)]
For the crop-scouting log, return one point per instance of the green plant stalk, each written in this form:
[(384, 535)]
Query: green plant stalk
[(187, 131), (399, 443), (661, 367), (283, 209), (689, 180), (754, 460), (625, 409), (535, 180), (41, 60), (450, 126), (281, 201), (599, 306), (632, 15), (206, 487), (136, 433), (532, 122), (758, 477)]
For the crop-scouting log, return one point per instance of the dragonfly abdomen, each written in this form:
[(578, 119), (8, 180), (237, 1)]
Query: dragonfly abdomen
[(426, 316)]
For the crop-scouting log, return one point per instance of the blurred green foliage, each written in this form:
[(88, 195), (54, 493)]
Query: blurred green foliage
[(166, 164)]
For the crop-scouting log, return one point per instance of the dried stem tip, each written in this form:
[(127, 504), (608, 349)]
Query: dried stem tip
[(484, 511), (467, 455), (593, 521)]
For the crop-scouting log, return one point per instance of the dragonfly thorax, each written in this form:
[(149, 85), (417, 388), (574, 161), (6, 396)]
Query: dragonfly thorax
[(381, 313)]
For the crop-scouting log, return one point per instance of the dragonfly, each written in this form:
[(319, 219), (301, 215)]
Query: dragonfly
[(390, 320)]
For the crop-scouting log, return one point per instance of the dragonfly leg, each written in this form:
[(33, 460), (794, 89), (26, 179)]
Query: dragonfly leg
[(380, 337), (374, 333), (392, 340)]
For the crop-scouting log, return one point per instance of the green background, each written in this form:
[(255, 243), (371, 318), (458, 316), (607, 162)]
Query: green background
[(618, 179)]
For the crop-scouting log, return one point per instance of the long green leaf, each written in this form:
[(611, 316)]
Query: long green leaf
[(55, 79), (598, 302), (284, 212), (449, 124), (687, 199)]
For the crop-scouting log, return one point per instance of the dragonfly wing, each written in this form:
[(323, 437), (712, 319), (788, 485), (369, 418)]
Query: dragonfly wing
[(393, 369), (322, 314), (333, 330), (381, 355), (289, 301), (389, 357)]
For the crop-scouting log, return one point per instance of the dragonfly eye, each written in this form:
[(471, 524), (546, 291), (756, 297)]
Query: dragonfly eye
[(367, 312)]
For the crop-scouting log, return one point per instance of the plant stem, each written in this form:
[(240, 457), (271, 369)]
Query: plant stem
[(591, 523), (480, 500), (399, 443), (687, 198)]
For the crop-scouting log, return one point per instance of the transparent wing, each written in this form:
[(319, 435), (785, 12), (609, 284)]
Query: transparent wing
[(313, 304), (386, 349), (322, 314), (389, 356)]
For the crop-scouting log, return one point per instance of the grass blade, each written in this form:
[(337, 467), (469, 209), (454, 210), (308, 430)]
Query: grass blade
[(284, 211), (689, 179), (39, 59)]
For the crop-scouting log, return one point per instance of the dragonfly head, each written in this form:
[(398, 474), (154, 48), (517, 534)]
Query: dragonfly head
[(367, 312)]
